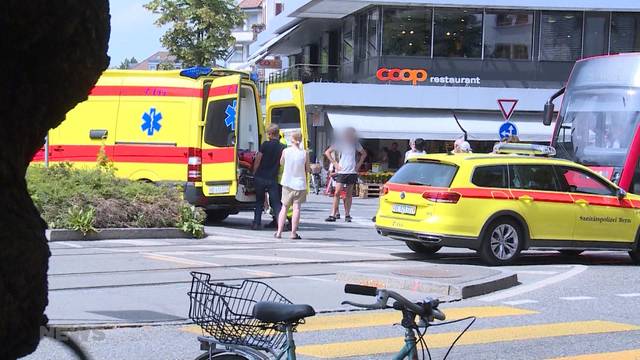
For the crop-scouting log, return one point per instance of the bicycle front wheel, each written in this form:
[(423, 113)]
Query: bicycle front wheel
[(223, 356)]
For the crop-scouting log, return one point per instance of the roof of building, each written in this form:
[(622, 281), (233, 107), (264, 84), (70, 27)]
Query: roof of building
[(249, 4), (159, 57)]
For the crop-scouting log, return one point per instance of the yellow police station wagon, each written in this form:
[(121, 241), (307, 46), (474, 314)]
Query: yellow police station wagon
[(501, 204)]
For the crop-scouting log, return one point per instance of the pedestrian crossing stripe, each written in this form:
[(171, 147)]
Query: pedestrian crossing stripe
[(363, 319), (473, 337), (388, 318), (618, 355)]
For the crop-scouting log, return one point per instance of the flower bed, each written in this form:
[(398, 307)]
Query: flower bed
[(87, 200)]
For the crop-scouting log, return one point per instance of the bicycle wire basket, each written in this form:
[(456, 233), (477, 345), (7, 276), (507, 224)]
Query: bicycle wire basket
[(226, 312)]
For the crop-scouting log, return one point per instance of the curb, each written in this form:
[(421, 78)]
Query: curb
[(116, 233), (464, 289)]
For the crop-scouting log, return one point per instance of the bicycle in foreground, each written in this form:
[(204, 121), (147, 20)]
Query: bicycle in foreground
[(252, 321)]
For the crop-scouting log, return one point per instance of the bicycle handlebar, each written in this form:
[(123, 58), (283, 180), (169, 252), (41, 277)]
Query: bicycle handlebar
[(428, 308)]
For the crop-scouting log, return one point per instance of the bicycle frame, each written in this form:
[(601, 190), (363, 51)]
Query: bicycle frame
[(287, 353), (409, 351)]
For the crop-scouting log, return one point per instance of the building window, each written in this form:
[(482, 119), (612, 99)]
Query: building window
[(457, 33), (625, 32), (406, 32), (596, 34), (508, 34), (560, 36), (373, 24), (237, 56), (347, 41)]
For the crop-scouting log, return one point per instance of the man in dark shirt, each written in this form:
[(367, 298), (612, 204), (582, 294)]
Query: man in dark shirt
[(394, 157), (265, 169)]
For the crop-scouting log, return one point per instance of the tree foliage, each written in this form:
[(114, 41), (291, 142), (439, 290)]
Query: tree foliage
[(200, 30), (127, 63)]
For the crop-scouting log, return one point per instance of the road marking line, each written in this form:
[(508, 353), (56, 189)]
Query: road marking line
[(520, 302), (576, 298), (136, 242), (629, 295), (388, 318), (473, 337), (263, 258), (259, 273), (369, 265), (69, 244), (177, 260), (536, 272), (618, 355), (519, 290), (314, 278), (343, 252)]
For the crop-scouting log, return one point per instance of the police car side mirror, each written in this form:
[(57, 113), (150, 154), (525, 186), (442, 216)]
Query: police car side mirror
[(620, 193), (548, 113)]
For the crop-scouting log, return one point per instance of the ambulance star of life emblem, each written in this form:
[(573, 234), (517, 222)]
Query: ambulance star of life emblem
[(151, 121), (403, 195), (230, 120)]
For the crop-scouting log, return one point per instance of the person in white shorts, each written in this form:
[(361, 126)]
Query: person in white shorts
[(295, 161)]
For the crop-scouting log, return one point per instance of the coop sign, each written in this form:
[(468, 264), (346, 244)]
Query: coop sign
[(415, 76)]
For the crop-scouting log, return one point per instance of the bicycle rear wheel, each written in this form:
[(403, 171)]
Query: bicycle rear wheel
[(222, 356)]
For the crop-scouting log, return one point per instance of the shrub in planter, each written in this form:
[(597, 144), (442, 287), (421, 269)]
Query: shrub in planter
[(89, 199)]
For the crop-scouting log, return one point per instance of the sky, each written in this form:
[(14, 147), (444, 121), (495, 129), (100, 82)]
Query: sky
[(132, 31)]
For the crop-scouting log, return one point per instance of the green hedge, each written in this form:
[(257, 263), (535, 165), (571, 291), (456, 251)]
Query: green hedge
[(90, 199)]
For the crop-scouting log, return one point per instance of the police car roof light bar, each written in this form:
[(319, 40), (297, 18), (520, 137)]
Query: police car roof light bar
[(525, 149)]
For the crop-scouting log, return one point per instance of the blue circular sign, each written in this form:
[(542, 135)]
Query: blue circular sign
[(507, 129)]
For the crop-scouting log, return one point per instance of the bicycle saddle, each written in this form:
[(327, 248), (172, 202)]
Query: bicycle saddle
[(272, 312)]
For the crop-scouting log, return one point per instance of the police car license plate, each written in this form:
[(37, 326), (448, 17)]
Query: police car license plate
[(404, 209), (219, 189)]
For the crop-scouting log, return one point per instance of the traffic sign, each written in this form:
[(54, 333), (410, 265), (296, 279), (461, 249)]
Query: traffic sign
[(506, 107), (507, 129)]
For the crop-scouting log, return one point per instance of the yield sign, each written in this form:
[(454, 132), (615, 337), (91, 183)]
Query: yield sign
[(506, 107)]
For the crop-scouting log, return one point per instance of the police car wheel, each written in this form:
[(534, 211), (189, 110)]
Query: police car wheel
[(502, 242), (425, 249), (217, 215)]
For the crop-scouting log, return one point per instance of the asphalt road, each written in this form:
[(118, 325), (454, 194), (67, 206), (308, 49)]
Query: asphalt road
[(132, 294)]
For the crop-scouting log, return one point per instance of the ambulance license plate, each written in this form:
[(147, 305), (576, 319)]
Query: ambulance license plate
[(404, 209), (219, 189)]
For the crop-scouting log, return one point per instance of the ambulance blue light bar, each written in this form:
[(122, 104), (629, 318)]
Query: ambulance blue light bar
[(524, 149), (196, 72)]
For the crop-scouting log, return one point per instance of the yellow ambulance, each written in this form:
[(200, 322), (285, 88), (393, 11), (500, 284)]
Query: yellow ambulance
[(199, 127)]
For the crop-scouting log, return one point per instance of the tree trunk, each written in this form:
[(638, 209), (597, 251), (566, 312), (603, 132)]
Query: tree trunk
[(52, 54)]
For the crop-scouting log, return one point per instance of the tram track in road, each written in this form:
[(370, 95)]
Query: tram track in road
[(109, 250), (248, 271)]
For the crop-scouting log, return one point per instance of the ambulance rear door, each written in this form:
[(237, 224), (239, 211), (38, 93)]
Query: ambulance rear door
[(219, 158), (285, 107)]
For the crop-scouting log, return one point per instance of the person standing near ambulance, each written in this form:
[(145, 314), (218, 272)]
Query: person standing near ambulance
[(265, 170), (346, 168), (295, 161)]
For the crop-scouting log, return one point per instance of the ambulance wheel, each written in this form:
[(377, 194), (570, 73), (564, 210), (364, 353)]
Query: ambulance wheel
[(635, 257), (502, 242), (424, 249), (217, 215)]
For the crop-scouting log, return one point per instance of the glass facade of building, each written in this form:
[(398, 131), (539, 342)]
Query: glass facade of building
[(473, 46)]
